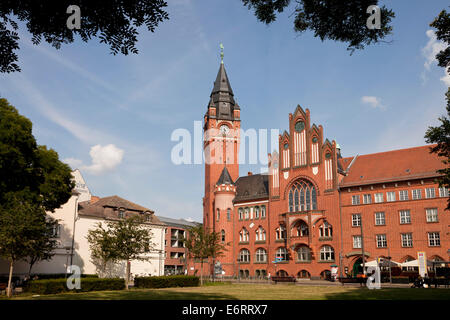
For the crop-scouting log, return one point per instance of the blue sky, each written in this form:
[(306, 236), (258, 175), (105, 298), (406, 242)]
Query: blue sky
[(113, 116)]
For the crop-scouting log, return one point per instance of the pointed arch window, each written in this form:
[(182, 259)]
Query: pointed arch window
[(243, 235), (260, 234), (302, 196), (222, 233), (325, 230)]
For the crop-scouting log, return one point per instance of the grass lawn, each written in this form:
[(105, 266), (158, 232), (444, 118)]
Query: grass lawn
[(254, 292)]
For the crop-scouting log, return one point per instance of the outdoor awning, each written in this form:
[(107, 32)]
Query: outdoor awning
[(383, 263), (415, 263)]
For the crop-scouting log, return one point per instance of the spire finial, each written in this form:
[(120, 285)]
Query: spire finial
[(221, 53)]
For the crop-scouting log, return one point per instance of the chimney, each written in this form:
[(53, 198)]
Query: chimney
[(94, 199), (249, 173)]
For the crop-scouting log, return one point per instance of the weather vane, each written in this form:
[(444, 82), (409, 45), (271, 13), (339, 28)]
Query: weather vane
[(221, 53)]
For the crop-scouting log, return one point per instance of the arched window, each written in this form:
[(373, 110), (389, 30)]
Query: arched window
[(327, 253), (256, 209), (243, 235), (222, 234), (282, 273), (228, 214), (263, 211), (244, 255), (282, 253), (218, 214), (303, 274), (260, 234), (300, 229), (241, 214), (325, 230), (280, 233), (246, 213), (261, 255), (302, 196), (303, 254)]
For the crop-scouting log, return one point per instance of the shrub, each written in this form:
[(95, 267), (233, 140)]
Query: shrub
[(43, 276), (166, 281), (52, 286)]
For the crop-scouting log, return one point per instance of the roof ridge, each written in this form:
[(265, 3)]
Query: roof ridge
[(396, 150)]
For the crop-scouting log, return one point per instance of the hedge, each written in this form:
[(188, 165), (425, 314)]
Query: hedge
[(42, 276), (52, 286), (166, 281)]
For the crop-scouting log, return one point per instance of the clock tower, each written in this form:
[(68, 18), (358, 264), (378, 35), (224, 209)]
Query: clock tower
[(221, 128)]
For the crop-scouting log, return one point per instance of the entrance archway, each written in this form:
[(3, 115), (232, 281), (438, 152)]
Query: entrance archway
[(357, 267)]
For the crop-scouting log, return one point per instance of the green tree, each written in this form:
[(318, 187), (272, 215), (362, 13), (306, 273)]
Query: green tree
[(24, 165), (33, 181), (202, 245), (43, 244), (127, 239), (102, 247), (441, 134), (115, 23), (24, 232), (338, 20)]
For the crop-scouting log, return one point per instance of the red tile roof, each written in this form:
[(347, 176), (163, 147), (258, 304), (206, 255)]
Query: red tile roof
[(397, 165)]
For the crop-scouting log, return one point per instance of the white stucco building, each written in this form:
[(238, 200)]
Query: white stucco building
[(82, 213)]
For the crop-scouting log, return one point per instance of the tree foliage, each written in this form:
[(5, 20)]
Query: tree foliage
[(127, 239), (25, 231), (27, 168), (441, 134), (202, 245), (343, 21), (114, 22)]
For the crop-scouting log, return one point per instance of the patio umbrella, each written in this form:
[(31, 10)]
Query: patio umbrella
[(383, 263), (415, 263)]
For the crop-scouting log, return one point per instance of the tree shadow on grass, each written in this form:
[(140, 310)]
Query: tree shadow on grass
[(137, 295), (391, 294)]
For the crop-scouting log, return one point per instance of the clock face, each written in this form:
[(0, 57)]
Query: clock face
[(299, 126), (224, 129)]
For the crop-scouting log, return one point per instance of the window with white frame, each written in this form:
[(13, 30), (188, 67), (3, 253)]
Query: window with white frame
[(432, 215), (356, 220), (303, 253), (403, 195), (407, 241), (302, 229), (380, 219), (260, 234), (381, 241), (280, 233), (282, 253), (405, 216), (56, 231), (325, 230), (390, 196), (302, 196), (243, 235), (417, 194), (261, 255), (246, 213), (263, 212), (355, 200), (121, 213), (241, 213), (430, 193), (327, 253), (443, 192), (256, 210), (378, 197), (367, 198), (244, 256), (357, 242), (434, 239)]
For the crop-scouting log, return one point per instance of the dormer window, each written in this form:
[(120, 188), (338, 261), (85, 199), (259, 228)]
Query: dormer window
[(121, 214)]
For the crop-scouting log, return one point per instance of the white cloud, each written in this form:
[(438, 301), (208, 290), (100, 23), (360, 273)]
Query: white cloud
[(431, 49), (104, 158), (373, 101)]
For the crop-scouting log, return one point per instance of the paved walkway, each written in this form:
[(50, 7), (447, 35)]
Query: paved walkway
[(320, 283)]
